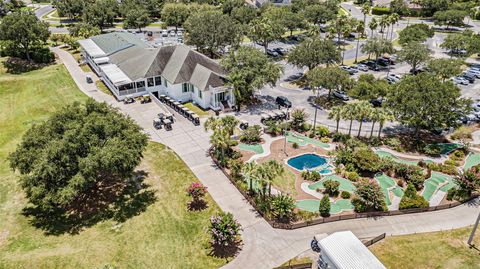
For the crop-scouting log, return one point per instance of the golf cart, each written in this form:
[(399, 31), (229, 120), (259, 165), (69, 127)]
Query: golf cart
[(129, 99), (157, 123), (146, 99)]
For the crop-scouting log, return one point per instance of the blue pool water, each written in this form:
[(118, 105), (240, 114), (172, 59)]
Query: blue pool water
[(307, 161)]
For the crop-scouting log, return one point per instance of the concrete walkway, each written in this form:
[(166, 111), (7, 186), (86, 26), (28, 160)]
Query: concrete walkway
[(264, 247)]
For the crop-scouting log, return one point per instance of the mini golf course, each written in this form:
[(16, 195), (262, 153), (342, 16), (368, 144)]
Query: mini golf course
[(388, 184), (384, 154), (472, 160), (257, 148), (446, 148), (305, 140), (432, 184), (345, 185), (335, 207)]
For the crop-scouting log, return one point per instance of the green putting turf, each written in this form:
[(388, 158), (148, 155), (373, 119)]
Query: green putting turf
[(302, 140), (335, 208), (386, 183), (436, 179), (257, 148), (345, 185), (384, 154), (472, 160), (446, 148)]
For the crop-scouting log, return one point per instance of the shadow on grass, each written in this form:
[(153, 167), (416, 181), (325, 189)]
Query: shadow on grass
[(197, 205), (226, 252), (18, 66), (112, 200), (327, 103)]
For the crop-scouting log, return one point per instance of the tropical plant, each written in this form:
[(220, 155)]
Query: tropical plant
[(411, 199), (363, 111), (368, 196), (331, 186), (282, 206), (336, 113), (324, 207), (224, 230), (251, 134), (299, 117)]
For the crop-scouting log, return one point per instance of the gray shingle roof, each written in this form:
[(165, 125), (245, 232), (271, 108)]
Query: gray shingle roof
[(117, 41), (178, 64)]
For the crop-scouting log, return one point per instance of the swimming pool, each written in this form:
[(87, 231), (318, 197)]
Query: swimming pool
[(310, 161)]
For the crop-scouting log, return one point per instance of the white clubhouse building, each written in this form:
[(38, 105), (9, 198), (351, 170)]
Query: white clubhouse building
[(130, 66)]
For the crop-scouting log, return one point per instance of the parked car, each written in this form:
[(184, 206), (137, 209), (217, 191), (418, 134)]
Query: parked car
[(391, 80), (272, 53), (394, 77), (283, 101), (350, 70), (294, 76), (341, 95), (459, 80), (281, 51), (371, 65), (376, 102), (458, 52), (362, 67), (474, 72), (469, 77), (164, 33), (417, 71)]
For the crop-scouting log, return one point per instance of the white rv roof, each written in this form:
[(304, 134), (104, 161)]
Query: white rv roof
[(114, 74), (91, 48), (345, 251)]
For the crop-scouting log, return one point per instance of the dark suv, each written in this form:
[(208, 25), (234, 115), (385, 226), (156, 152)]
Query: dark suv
[(283, 101)]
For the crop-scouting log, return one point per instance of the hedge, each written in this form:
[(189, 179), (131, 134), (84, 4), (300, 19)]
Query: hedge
[(380, 10)]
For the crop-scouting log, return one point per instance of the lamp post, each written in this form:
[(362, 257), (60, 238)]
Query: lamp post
[(475, 226)]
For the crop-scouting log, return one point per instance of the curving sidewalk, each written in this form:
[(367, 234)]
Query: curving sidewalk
[(264, 246)]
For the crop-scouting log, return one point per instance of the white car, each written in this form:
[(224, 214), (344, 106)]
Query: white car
[(164, 33), (474, 72), (460, 80), (394, 77)]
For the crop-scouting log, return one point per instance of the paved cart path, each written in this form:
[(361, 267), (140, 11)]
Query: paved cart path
[(263, 246)]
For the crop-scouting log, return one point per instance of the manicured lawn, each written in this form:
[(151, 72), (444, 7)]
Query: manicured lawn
[(197, 110), (166, 235), (101, 86), (431, 250), (286, 182)]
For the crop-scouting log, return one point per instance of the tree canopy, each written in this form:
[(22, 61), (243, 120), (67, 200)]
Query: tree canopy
[(313, 52), (248, 70), (368, 87), (23, 30), (75, 153), (329, 78), (424, 102), (175, 14), (101, 13), (449, 17), (212, 31), (414, 54), (135, 14), (416, 32), (445, 68)]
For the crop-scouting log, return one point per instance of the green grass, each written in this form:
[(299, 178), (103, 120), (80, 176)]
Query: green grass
[(286, 182), (384, 154), (200, 112), (302, 140), (345, 185), (101, 86), (166, 235), (446, 249), (386, 183)]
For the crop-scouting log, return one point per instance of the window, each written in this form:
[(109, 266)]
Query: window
[(150, 82), (184, 87), (200, 94), (166, 83), (140, 84), (158, 80)]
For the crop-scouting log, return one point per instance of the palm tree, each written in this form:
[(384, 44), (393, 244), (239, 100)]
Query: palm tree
[(373, 24), (364, 109), (249, 170), (384, 22), (266, 174), (394, 18), (336, 113), (384, 117), (374, 117), (349, 113), (365, 10), (377, 46), (360, 29)]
